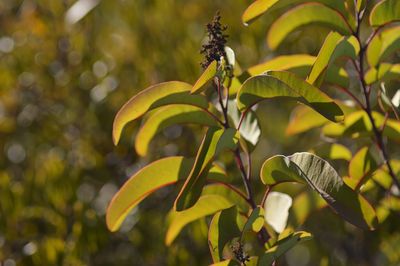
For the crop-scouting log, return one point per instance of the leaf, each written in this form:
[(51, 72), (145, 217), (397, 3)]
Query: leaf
[(173, 92), (304, 204), (230, 56), (259, 7), (383, 72), (283, 246), (208, 74), (150, 178), (256, 220), (303, 119), (215, 141), (283, 62), (206, 205), (334, 47), (276, 84), (333, 151), (249, 129), (252, 262), (384, 12), (222, 229), (357, 124), (277, 205), (309, 169), (361, 167), (360, 5), (222, 190), (382, 45), (309, 13), (167, 116)]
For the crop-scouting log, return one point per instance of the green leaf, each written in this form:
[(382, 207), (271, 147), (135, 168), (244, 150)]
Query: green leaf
[(283, 246), (206, 205), (361, 167), (382, 45), (277, 84), (303, 119), (256, 220), (334, 47), (259, 7), (249, 129), (215, 141), (333, 151), (384, 12), (357, 124), (304, 204), (309, 13), (309, 169), (167, 116), (155, 96), (277, 205), (360, 5), (383, 72), (152, 177), (208, 74), (223, 228), (222, 190), (252, 262), (284, 62)]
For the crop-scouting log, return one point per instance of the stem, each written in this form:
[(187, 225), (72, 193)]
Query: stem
[(263, 234), (366, 89), (232, 187)]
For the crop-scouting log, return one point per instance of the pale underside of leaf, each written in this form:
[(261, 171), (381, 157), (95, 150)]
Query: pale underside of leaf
[(277, 207)]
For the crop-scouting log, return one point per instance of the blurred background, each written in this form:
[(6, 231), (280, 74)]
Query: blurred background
[(66, 67)]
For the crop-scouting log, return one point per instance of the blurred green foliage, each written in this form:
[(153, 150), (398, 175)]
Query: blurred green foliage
[(61, 83)]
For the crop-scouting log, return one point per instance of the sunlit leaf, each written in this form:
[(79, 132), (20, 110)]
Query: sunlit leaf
[(333, 151), (173, 92), (277, 84), (334, 47), (309, 169), (277, 207), (222, 190), (222, 229), (251, 262), (152, 177), (167, 116), (361, 167), (208, 74), (360, 5), (283, 246), (303, 119), (206, 205), (382, 45), (215, 141), (255, 221), (384, 12), (259, 7), (309, 13), (358, 124), (303, 205), (284, 62), (383, 72)]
